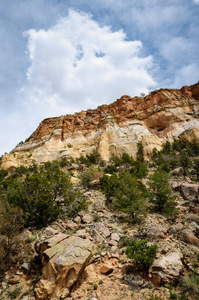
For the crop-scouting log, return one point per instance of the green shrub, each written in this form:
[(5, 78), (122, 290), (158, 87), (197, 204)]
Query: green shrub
[(173, 296), (96, 217), (126, 192), (190, 284), (125, 158), (160, 192), (183, 297), (195, 170), (108, 184), (87, 177), (30, 239), (178, 145), (74, 203), (37, 192), (3, 174), (92, 158), (101, 281), (128, 197), (153, 297), (139, 169), (142, 254), (140, 152), (11, 223), (195, 265), (110, 169), (63, 162), (167, 148), (185, 162)]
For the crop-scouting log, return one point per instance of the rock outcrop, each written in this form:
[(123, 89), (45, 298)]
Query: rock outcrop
[(64, 258), (167, 268), (115, 128)]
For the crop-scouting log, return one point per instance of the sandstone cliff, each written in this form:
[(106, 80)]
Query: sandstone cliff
[(116, 128)]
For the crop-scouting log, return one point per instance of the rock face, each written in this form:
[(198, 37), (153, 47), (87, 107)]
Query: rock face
[(189, 237), (115, 128), (64, 259), (166, 268), (190, 191)]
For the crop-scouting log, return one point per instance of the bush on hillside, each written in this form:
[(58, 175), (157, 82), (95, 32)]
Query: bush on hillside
[(142, 254), (90, 159), (126, 192), (87, 177), (160, 192), (190, 284), (11, 223), (36, 192), (128, 197)]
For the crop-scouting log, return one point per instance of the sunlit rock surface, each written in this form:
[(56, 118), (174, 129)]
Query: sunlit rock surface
[(116, 128)]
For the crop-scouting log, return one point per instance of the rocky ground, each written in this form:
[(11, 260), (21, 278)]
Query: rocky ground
[(93, 240)]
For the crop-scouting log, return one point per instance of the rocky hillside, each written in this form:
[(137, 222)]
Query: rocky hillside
[(126, 229), (115, 128), (89, 209)]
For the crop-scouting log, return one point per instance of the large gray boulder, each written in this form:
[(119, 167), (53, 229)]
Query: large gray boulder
[(64, 258), (167, 268)]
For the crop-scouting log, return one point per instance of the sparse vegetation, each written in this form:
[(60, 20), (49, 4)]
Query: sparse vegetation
[(36, 192), (37, 196), (15, 293), (142, 254), (190, 284), (160, 192)]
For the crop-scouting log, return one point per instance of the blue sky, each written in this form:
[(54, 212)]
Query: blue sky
[(59, 57)]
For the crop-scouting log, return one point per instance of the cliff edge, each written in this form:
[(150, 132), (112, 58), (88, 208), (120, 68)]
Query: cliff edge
[(162, 115)]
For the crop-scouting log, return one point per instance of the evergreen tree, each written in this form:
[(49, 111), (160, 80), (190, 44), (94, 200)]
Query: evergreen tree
[(160, 191), (185, 162), (140, 152), (128, 196)]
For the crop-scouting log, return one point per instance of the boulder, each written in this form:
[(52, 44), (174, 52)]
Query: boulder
[(115, 237), (97, 238), (112, 243), (49, 231), (195, 228), (189, 191), (167, 268), (193, 218), (157, 231), (77, 220), (103, 230), (64, 258), (14, 279), (87, 219), (189, 237), (175, 185), (106, 269), (25, 267), (72, 225), (176, 228)]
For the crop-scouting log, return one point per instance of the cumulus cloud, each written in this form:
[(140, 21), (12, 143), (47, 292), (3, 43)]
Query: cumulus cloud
[(188, 74), (77, 64), (196, 1), (179, 49)]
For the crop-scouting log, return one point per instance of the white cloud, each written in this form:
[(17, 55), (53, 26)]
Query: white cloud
[(196, 1), (178, 49), (188, 74), (77, 64)]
